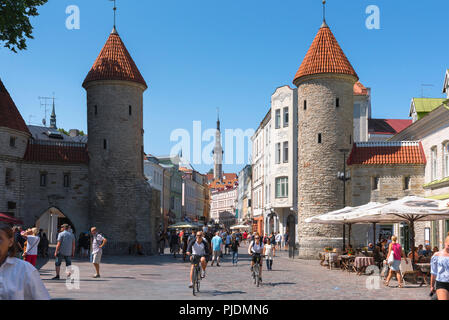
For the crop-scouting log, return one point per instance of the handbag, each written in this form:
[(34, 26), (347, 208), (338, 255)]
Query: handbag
[(390, 259)]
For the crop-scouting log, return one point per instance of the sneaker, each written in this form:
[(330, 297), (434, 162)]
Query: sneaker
[(203, 274), (55, 278), (96, 276), (191, 285), (252, 269), (218, 264), (212, 264)]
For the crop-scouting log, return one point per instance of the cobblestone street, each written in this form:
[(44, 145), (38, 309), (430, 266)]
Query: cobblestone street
[(166, 278)]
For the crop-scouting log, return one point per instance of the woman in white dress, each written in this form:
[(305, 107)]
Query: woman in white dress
[(269, 251)]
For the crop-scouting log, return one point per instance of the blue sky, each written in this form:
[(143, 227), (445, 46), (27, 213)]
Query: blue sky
[(199, 55)]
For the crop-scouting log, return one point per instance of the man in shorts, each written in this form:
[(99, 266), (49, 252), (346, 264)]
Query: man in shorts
[(216, 248), (98, 242), (65, 250)]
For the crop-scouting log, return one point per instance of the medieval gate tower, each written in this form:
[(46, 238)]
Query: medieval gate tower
[(119, 197), (325, 82)]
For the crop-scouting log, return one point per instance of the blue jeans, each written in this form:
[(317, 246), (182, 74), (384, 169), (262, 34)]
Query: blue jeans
[(235, 257)]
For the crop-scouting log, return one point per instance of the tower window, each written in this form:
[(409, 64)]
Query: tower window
[(66, 180), (278, 118), (305, 104), (12, 142), (130, 110), (350, 139), (337, 102), (43, 179), (105, 144), (320, 138), (96, 110)]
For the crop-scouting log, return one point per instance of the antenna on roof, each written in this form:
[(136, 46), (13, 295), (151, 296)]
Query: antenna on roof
[(422, 88), (44, 103), (324, 14)]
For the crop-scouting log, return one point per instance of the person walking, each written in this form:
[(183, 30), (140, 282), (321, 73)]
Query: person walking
[(278, 239), (20, 280), (235, 244), (98, 242), (439, 281), (228, 244), (395, 249), (19, 241), (162, 239), (65, 250), (30, 254), (269, 251), (84, 244), (44, 245), (217, 244), (285, 241), (245, 236)]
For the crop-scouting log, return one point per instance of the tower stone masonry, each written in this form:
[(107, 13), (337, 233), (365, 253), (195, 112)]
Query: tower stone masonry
[(325, 84), (119, 197)]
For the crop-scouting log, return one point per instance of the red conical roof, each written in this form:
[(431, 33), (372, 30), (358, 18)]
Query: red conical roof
[(325, 56), (9, 115), (114, 63)]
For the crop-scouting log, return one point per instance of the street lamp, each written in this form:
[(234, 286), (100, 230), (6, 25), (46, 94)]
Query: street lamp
[(344, 176)]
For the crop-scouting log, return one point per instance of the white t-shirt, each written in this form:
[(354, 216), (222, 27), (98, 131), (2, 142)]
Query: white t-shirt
[(97, 240), (278, 237), (19, 280), (198, 249), (32, 243), (269, 250), (257, 248)]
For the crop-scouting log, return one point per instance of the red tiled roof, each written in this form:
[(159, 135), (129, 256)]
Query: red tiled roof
[(9, 115), (114, 63), (56, 152), (325, 56), (360, 89), (372, 153), (388, 126)]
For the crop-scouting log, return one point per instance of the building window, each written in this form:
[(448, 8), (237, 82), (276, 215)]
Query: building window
[(350, 139), (337, 102), (406, 183), (278, 119), (96, 110), (43, 180), (285, 117), (320, 138), (375, 183), (130, 110), (278, 153), (8, 177), (282, 187), (66, 180), (446, 159), (434, 166), (12, 205), (12, 142), (105, 144), (305, 104), (286, 152)]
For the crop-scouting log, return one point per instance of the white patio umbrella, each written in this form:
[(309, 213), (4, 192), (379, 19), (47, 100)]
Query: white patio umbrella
[(409, 209), (344, 216), (240, 226)]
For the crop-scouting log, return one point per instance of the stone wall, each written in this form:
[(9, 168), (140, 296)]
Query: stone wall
[(391, 187), (319, 190)]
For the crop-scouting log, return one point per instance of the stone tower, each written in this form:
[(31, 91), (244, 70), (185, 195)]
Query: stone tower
[(218, 154), (325, 82), (119, 197)]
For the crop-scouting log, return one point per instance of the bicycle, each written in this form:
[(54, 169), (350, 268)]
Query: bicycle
[(256, 269), (196, 277)]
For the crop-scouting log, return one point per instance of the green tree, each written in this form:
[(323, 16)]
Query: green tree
[(15, 24)]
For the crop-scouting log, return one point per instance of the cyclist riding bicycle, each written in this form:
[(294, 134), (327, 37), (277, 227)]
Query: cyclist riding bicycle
[(255, 249), (199, 251)]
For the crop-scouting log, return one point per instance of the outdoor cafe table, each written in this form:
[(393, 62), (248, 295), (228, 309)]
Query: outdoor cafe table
[(361, 263)]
